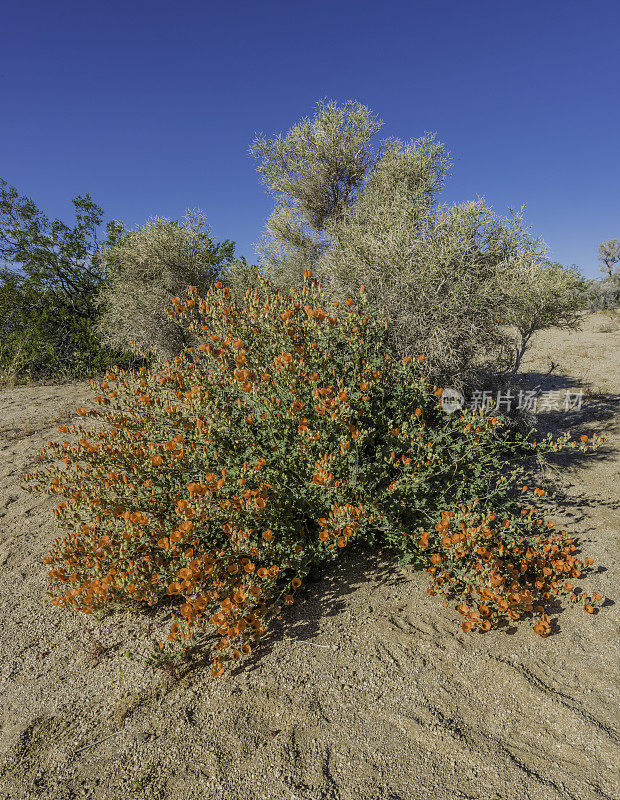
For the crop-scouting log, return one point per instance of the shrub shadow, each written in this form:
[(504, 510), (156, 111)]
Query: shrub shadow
[(598, 412), (315, 600)]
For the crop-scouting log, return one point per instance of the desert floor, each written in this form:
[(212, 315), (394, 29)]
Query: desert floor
[(368, 690)]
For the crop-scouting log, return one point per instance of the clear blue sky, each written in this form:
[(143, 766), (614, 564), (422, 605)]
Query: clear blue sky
[(151, 106)]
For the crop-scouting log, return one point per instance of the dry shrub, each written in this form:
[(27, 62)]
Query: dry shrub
[(461, 284), (143, 269), (603, 295)]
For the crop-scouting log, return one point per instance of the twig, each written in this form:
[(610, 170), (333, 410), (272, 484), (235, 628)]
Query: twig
[(94, 743), (314, 644), (553, 366)]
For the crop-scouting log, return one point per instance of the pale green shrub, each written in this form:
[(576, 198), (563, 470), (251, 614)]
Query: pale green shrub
[(460, 284), (144, 269)]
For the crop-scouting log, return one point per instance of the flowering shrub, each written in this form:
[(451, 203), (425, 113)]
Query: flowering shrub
[(504, 569), (287, 434)]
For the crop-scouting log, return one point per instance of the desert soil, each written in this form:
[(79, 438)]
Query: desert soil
[(368, 690)]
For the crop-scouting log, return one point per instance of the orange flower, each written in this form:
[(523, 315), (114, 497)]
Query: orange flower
[(296, 582), (584, 438), (466, 626), (421, 358)]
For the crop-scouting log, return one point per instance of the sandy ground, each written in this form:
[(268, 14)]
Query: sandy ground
[(368, 690)]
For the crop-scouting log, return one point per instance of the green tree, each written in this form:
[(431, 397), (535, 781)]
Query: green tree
[(52, 254), (49, 282)]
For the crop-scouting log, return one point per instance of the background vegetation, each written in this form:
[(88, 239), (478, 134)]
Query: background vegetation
[(62, 311), (460, 284), (144, 269)]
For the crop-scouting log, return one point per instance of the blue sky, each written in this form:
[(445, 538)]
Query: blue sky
[(150, 106)]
